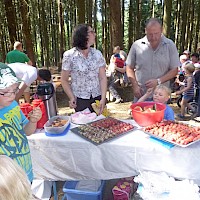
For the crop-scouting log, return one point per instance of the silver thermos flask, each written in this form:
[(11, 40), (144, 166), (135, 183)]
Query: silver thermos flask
[(46, 92)]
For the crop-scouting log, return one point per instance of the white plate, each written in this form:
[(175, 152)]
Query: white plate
[(83, 118), (82, 123)]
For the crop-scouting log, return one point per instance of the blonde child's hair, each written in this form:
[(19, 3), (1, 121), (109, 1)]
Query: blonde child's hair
[(14, 184), (164, 88), (189, 67)]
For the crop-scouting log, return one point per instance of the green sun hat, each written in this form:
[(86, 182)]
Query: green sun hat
[(7, 76)]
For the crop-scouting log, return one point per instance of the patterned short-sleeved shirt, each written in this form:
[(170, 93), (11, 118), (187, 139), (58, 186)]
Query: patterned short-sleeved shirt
[(84, 72), (13, 140)]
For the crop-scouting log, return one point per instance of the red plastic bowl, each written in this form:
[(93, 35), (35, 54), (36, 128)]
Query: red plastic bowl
[(147, 119)]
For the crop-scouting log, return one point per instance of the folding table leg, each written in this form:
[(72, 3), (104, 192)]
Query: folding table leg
[(55, 191)]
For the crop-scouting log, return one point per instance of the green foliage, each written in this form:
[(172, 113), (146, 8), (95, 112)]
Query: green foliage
[(47, 41)]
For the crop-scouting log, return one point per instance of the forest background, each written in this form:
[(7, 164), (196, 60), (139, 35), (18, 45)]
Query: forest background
[(45, 26)]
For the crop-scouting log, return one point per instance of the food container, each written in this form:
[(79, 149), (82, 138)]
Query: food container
[(148, 118), (57, 128)]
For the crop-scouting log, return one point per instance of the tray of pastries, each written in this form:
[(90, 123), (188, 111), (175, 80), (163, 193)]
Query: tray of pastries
[(103, 130)]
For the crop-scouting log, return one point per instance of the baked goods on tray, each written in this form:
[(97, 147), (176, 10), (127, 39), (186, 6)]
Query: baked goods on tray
[(103, 130)]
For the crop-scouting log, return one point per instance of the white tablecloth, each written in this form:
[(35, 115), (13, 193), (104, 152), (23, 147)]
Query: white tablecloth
[(70, 157)]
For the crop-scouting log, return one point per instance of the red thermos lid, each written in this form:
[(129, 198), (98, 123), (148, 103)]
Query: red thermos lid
[(44, 118)]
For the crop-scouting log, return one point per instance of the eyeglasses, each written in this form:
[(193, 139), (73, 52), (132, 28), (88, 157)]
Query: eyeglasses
[(8, 94), (91, 31)]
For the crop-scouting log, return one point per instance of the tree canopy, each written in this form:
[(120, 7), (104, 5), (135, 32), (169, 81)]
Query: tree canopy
[(45, 27)]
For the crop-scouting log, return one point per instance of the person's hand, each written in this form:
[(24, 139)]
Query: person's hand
[(173, 93), (35, 115), (176, 80), (116, 68), (137, 91), (72, 102), (178, 92), (101, 106), (149, 91), (152, 83)]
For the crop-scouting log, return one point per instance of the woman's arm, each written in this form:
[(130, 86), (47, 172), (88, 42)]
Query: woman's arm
[(67, 88), (103, 85), (22, 87)]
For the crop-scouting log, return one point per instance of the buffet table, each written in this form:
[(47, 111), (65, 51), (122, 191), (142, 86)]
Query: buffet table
[(71, 157)]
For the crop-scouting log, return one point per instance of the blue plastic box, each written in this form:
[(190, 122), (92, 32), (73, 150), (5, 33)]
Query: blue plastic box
[(71, 194)]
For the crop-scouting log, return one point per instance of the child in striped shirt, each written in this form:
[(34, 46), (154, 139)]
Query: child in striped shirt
[(188, 90)]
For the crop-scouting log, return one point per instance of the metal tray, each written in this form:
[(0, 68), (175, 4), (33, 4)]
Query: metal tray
[(77, 132), (168, 141), (180, 145)]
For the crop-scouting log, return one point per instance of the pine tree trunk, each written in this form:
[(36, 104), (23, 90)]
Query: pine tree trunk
[(45, 35), (116, 24), (167, 17), (191, 25), (183, 27), (177, 24), (95, 22), (197, 33), (61, 32), (81, 11), (130, 25), (26, 28), (138, 18), (10, 15)]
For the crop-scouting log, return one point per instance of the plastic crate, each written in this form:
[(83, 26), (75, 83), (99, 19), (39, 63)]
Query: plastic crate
[(70, 193)]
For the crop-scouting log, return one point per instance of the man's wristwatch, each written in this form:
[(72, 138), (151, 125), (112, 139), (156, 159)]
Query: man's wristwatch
[(158, 81)]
